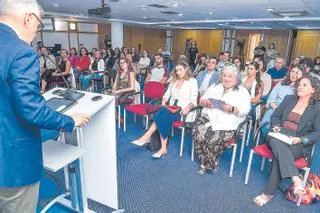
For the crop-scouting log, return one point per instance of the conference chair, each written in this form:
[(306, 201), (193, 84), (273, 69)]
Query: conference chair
[(265, 152), (153, 91)]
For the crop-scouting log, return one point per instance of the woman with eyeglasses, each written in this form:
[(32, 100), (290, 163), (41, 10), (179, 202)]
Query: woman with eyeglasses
[(181, 94), (225, 106), (298, 116)]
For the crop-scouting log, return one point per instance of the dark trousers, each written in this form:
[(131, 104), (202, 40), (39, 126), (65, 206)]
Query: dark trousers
[(282, 166)]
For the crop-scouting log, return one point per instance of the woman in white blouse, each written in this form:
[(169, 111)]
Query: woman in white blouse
[(182, 93), (226, 105)]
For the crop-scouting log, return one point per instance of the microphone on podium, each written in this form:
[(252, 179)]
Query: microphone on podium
[(69, 93)]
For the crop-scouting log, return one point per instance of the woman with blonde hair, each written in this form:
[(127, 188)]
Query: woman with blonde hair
[(181, 97)]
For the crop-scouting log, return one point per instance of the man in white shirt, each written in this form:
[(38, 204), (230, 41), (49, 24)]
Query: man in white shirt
[(158, 73)]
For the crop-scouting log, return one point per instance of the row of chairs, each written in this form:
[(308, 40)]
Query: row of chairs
[(154, 91)]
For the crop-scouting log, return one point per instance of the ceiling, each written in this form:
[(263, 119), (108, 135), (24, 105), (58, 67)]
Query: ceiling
[(197, 14)]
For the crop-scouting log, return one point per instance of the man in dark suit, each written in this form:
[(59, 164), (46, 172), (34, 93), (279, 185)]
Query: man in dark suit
[(23, 111)]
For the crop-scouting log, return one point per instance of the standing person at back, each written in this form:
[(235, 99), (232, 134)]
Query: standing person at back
[(158, 73), (23, 111)]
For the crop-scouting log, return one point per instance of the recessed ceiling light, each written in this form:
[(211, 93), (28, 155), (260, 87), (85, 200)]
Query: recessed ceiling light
[(221, 24), (270, 9), (180, 14), (175, 4), (286, 17), (55, 5), (306, 26), (251, 22), (143, 7), (145, 17), (210, 13)]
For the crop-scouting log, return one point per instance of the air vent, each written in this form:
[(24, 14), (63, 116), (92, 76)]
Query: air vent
[(170, 12), (158, 6), (291, 13), (155, 20)]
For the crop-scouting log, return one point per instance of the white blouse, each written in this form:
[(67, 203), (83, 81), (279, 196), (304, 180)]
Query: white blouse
[(221, 120)]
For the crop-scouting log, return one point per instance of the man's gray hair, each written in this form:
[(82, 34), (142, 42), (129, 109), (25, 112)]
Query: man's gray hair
[(19, 6)]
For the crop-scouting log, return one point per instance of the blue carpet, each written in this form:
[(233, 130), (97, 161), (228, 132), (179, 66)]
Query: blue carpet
[(172, 184)]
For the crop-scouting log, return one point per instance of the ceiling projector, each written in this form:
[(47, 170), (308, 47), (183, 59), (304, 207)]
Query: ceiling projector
[(103, 12)]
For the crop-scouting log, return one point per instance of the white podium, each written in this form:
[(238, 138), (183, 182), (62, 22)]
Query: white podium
[(98, 139)]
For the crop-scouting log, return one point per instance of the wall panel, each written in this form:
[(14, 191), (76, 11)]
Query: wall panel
[(103, 30), (208, 41), (307, 43)]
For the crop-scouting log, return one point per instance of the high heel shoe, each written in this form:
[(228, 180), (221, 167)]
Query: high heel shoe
[(159, 155), (140, 143)]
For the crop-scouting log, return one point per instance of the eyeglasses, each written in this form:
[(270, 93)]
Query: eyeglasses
[(40, 25)]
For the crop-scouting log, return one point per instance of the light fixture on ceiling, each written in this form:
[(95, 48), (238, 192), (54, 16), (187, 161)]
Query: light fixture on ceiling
[(175, 4), (210, 13), (297, 13), (143, 7), (286, 17), (145, 17), (72, 26), (180, 14), (55, 5), (270, 9), (251, 22)]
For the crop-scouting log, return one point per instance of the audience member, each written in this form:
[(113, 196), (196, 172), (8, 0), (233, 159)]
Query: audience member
[(96, 70), (295, 62), (225, 59), (271, 52), (166, 52), (316, 68), (158, 73), (74, 58), (208, 77), (56, 76), (252, 82), (143, 64), (193, 54), (308, 64), (125, 80), (134, 55), (46, 65), (281, 90), (218, 121), (83, 64), (265, 78), (201, 64), (260, 51), (279, 71), (298, 116), (182, 92)]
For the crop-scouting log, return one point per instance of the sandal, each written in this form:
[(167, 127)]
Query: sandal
[(262, 199)]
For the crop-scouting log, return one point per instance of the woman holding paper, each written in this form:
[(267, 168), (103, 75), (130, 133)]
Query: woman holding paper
[(182, 93), (297, 116), (226, 105)]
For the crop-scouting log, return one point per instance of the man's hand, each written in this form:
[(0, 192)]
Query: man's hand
[(80, 119), (296, 140)]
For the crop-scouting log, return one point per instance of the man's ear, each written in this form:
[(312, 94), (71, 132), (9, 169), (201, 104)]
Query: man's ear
[(26, 20)]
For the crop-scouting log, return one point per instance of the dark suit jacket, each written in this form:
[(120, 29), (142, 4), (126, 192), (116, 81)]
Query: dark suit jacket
[(23, 112), (309, 124)]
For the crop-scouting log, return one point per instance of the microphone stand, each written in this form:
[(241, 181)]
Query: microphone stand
[(69, 93)]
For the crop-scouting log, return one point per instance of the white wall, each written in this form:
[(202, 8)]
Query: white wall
[(87, 33)]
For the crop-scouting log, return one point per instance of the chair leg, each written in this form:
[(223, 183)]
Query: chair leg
[(147, 122), (182, 141), (192, 150), (135, 118), (124, 120), (305, 177), (233, 159), (242, 143), (119, 124), (262, 164), (249, 167), (172, 132), (249, 132)]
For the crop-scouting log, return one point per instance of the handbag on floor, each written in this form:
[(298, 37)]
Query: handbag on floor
[(312, 189), (155, 142)]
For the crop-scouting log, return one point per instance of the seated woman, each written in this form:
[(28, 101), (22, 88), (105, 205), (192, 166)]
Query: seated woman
[(218, 121), (83, 64), (97, 67), (281, 90), (299, 117), (182, 92), (253, 83), (201, 64), (56, 76), (125, 81), (144, 63)]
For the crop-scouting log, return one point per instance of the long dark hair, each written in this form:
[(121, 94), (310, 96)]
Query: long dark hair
[(287, 81), (258, 76), (315, 84)]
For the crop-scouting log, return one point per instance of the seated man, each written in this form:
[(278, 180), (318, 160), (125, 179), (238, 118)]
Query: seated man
[(209, 76), (279, 71), (158, 73)]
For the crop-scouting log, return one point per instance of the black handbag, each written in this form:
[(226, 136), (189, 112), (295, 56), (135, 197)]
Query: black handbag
[(155, 142)]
